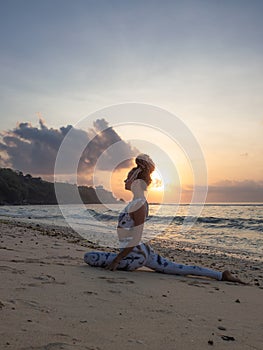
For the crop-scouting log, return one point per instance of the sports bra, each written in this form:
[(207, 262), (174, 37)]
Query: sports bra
[(125, 221)]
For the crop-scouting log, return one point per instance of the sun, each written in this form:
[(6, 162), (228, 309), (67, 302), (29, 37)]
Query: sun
[(157, 182)]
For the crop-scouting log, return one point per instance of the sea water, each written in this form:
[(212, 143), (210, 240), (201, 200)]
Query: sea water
[(232, 229)]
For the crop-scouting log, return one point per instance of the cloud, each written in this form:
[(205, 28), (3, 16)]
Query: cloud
[(236, 191), (102, 137), (245, 154), (34, 149), (228, 191)]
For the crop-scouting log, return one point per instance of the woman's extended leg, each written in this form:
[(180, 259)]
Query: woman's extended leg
[(161, 264)]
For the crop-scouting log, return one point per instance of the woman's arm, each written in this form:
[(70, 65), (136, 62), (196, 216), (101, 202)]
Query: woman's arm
[(138, 216)]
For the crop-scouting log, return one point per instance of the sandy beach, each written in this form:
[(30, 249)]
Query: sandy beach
[(50, 299)]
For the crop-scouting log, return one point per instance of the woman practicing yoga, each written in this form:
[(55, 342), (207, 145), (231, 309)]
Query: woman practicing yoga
[(133, 253)]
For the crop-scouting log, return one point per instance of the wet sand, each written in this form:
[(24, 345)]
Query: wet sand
[(50, 299)]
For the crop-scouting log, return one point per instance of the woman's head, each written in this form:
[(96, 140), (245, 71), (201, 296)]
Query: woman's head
[(145, 166)]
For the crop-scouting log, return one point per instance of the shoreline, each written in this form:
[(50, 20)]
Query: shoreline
[(249, 270), (51, 299)]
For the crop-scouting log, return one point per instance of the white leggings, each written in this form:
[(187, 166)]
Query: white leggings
[(144, 255)]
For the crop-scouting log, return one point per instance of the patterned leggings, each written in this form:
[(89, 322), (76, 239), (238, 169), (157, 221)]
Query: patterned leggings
[(144, 255)]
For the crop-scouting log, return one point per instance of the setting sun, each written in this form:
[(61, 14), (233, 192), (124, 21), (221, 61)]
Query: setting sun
[(157, 182)]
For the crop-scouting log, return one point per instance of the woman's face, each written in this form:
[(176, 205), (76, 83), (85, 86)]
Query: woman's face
[(132, 183), (128, 182)]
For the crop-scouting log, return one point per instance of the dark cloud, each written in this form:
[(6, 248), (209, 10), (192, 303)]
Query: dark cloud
[(104, 137), (31, 149), (34, 149), (236, 191)]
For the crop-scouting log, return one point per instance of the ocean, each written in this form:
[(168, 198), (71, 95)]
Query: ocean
[(229, 229)]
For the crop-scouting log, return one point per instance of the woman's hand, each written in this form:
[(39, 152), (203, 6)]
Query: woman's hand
[(113, 265), (115, 262)]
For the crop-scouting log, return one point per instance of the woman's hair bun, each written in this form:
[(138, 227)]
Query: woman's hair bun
[(145, 166), (144, 162)]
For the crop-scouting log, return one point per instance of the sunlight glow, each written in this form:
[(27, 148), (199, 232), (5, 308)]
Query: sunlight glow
[(157, 182)]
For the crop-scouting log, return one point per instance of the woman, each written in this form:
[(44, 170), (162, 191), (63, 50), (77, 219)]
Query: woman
[(133, 253)]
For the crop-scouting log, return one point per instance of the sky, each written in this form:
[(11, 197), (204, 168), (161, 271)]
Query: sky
[(200, 60)]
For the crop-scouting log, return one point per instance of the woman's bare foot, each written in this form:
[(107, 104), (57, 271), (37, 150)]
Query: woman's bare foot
[(227, 276)]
